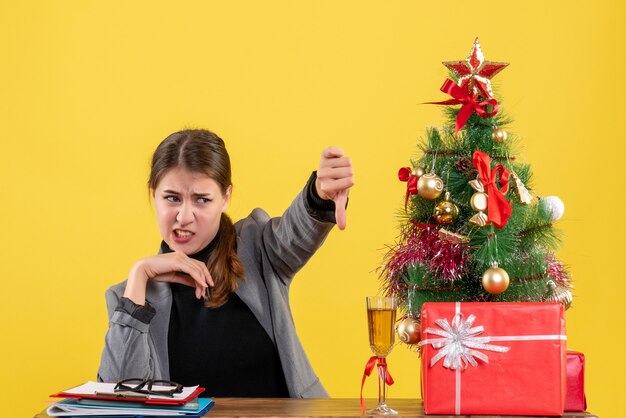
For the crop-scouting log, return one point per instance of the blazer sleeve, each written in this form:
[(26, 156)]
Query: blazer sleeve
[(128, 349), (289, 241)]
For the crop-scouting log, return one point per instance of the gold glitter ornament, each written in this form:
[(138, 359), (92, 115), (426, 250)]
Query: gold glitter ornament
[(429, 186), (478, 202), (560, 293), (498, 135), (409, 330), (480, 219), (452, 237), (521, 191), (495, 280), (446, 212)]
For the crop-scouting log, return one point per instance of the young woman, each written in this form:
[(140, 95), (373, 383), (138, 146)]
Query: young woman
[(212, 308)]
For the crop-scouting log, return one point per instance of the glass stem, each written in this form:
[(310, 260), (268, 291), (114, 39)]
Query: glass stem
[(382, 387)]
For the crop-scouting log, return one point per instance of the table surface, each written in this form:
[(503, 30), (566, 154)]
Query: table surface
[(238, 407), (335, 407)]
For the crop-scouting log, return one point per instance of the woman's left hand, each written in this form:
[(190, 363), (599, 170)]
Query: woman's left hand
[(335, 176)]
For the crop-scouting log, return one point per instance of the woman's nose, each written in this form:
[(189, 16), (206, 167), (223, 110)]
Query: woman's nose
[(185, 214)]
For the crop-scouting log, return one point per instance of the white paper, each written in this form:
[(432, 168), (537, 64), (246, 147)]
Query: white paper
[(90, 388)]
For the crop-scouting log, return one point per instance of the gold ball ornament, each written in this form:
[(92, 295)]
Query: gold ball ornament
[(429, 186), (418, 171), (446, 212), (495, 280), (498, 135), (409, 330)]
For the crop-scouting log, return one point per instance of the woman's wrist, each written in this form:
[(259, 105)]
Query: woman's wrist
[(136, 284), (317, 189)]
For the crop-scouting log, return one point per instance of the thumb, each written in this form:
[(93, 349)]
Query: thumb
[(340, 208)]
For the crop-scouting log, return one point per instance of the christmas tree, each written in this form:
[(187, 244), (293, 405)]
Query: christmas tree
[(472, 229)]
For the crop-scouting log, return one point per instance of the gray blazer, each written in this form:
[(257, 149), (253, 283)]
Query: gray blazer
[(272, 251)]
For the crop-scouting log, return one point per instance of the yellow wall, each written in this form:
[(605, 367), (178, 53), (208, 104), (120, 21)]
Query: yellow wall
[(87, 90)]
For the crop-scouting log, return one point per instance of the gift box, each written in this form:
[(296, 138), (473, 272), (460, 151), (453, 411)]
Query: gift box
[(575, 400), (493, 358)]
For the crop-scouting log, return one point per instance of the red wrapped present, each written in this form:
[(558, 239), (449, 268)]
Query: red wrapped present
[(575, 400), (493, 358)]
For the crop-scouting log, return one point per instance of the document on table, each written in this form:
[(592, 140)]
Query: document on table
[(73, 407)]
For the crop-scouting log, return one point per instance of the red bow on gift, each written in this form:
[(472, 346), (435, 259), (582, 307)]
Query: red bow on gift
[(498, 208), (406, 174), (371, 363), (470, 104)]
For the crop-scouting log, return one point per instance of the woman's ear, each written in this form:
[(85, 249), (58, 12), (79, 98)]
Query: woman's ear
[(227, 197)]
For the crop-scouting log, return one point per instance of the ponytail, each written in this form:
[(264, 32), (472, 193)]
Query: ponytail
[(224, 264)]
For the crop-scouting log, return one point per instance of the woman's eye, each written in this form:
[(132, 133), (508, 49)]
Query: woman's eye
[(172, 198), (203, 200)]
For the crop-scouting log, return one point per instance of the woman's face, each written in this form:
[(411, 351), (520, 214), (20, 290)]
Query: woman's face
[(189, 206)]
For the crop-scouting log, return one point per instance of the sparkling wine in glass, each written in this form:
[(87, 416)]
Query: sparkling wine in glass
[(381, 318)]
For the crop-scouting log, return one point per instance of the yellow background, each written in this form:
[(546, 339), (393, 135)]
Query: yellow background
[(88, 89)]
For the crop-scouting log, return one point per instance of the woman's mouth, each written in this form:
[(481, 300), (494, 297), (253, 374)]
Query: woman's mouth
[(181, 236)]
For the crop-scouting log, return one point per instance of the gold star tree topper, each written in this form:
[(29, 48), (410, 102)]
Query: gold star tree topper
[(475, 73)]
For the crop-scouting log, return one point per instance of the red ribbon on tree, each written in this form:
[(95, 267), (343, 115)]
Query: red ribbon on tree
[(406, 174), (371, 363), (498, 208), (470, 104), (424, 226)]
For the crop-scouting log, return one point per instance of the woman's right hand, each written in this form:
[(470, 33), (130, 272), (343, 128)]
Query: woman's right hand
[(173, 267)]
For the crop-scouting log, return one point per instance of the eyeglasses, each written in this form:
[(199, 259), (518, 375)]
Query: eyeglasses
[(146, 386)]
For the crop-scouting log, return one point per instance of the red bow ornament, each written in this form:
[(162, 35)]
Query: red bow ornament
[(470, 104), (498, 208), (410, 177)]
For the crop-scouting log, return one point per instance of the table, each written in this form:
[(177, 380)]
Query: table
[(336, 407)]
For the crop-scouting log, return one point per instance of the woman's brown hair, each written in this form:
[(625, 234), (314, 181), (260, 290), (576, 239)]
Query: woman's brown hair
[(201, 151)]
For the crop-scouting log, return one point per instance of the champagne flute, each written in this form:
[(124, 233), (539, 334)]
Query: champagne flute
[(381, 318)]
